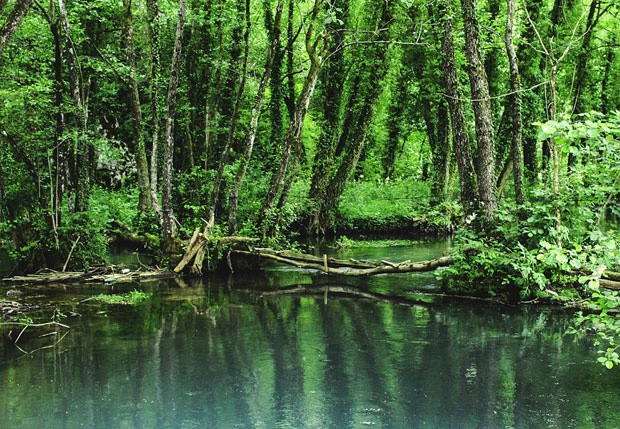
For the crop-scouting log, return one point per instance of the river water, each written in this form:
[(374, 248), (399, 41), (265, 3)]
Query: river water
[(225, 352)]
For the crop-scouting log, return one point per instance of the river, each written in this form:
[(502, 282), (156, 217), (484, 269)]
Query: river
[(225, 353)]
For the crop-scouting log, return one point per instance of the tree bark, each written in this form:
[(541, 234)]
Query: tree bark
[(360, 109), (13, 21), (233, 200), (581, 71), (144, 200), (296, 125), (609, 60), (333, 76), (462, 150), (169, 227), (485, 160), (234, 119), (530, 60), (153, 27), (82, 147), (515, 105)]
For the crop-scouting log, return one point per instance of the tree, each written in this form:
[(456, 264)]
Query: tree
[(360, 107), (233, 200), (144, 202), (169, 230), (514, 104), (467, 175), (13, 21), (293, 134), (485, 159)]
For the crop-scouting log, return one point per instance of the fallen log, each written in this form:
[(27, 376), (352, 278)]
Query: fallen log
[(349, 268), (304, 257), (96, 275)]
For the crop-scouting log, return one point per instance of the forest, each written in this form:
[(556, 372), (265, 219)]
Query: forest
[(146, 121)]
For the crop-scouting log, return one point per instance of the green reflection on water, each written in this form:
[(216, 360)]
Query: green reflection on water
[(203, 354)]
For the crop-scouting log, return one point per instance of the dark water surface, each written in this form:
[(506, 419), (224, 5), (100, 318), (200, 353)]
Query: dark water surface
[(212, 354)]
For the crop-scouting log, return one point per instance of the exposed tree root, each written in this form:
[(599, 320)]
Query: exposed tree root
[(199, 246)]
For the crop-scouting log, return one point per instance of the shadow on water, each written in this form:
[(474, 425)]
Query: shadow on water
[(206, 353)]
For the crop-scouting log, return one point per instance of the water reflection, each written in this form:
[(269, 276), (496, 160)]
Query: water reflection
[(205, 355)]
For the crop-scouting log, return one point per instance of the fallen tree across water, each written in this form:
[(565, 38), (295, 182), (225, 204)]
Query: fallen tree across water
[(354, 267), (350, 267)]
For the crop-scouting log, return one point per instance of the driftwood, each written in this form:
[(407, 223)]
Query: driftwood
[(348, 267), (96, 275), (198, 247)]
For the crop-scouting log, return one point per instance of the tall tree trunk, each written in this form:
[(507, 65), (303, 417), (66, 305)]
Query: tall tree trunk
[(153, 27), (58, 171), (13, 21), (82, 148), (332, 79), (233, 200), (290, 37), (360, 106), (491, 60), (609, 59), (295, 128), (485, 160), (276, 120), (234, 119), (531, 72), (144, 200), (169, 227), (582, 59), (60, 143), (553, 148), (514, 104), (462, 150)]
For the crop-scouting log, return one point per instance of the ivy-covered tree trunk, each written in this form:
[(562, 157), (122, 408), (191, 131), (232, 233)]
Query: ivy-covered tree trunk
[(360, 108), (514, 104), (485, 159), (492, 60), (276, 120), (20, 9), (234, 119), (530, 62), (233, 200), (290, 78), (82, 187), (462, 150), (609, 60), (142, 167), (169, 229), (332, 81), (581, 71), (295, 128)]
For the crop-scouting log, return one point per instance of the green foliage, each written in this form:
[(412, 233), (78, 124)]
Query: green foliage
[(381, 206), (135, 297), (604, 323)]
